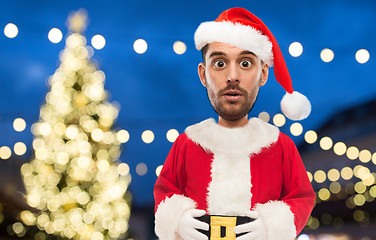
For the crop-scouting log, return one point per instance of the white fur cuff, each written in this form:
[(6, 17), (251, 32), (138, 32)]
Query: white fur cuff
[(279, 220), (168, 215)]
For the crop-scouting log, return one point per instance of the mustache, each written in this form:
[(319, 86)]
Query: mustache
[(233, 87)]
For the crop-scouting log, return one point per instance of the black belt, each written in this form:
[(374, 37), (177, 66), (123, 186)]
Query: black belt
[(222, 227)]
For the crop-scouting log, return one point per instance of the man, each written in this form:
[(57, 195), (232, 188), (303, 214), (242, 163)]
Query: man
[(237, 166)]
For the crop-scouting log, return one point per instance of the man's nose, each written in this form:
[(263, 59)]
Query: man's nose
[(233, 75)]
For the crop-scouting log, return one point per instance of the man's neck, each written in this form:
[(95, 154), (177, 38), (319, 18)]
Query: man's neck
[(233, 124)]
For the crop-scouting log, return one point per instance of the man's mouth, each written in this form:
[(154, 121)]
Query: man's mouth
[(232, 95)]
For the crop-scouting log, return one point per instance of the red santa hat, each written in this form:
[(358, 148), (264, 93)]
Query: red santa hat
[(240, 28)]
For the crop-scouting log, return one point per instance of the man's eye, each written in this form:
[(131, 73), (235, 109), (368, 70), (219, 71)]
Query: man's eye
[(219, 64), (245, 63)]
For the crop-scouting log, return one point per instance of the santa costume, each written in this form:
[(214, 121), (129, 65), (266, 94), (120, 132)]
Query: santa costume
[(231, 171)]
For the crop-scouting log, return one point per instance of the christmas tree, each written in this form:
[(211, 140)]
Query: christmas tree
[(74, 178)]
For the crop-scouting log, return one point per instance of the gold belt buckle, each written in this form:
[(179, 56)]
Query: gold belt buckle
[(218, 222)]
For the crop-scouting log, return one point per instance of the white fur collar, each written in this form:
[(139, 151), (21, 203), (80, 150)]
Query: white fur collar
[(249, 139)]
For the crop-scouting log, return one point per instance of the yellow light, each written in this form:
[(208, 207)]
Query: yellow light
[(83, 162), (314, 223), (362, 56), (359, 200), (17, 227), (310, 136), (97, 236), (374, 158), (339, 148), (264, 116), (5, 152), (19, 124), (358, 215), (319, 176), (279, 120), (11, 30), (98, 42), (352, 153), (324, 194), (372, 191), (147, 136), (55, 35), (141, 169), (28, 217), (333, 175), (360, 187), (122, 136), (335, 187), (369, 179), (103, 165), (295, 49), (140, 46), (296, 129), (347, 173), (19, 148), (326, 143), (310, 177), (361, 171), (123, 169), (62, 158), (179, 47), (365, 156), (88, 217), (45, 129), (71, 131), (97, 135), (172, 134), (158, 170), (327, 55)]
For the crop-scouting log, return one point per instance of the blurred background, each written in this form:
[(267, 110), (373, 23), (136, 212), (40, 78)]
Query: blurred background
[(96, 99)]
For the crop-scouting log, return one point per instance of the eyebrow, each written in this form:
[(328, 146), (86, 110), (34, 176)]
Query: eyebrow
[(245, 52)]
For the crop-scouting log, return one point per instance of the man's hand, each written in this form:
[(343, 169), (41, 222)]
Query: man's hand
[(188, 225), (255, 230)]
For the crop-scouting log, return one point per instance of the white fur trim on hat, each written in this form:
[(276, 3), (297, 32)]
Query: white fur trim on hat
[(295, 106), (279, 220), (168, 215), (236, 34)]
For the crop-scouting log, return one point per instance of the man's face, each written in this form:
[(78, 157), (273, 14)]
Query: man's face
[(232, 77)]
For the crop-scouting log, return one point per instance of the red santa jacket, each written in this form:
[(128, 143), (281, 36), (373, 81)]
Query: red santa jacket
[(232, 171)]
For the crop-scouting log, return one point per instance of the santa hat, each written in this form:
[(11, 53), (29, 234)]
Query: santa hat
[(240, 28)]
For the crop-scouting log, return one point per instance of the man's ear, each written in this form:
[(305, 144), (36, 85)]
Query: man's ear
[(264, 74), (201, 73)]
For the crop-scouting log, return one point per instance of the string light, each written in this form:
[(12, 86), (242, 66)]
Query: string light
[(158, 170), (172, 134), (295, 49), (362, 56), (147, 136), (264, 116), (141, 169), (20, 148), (179, 47), (98, 41), (296, 129), (352, 153), (55, 35), (326, 143), (5, 152), (11, 30), (19, 124), (279, 120), (310, 136), (327, 55), (140, 46)]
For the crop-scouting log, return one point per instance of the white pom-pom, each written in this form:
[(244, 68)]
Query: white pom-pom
[(295, 106)]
